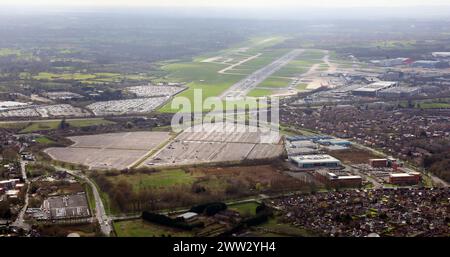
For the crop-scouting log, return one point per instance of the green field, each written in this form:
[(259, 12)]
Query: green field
[(161, 179), (257, 92), (275, 82), (441, 103), (67, 74), (300, 65), (434, 105), (302, 86), (394, 44), (245, 209), (44, 140), (63, 76), (141, 228), (9, 51), (51, 125)]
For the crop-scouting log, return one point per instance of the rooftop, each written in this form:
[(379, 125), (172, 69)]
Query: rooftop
[(314, 158), (376, 86), (400, 175)]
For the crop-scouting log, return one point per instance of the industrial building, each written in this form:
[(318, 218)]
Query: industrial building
[(333, 179), (378, 163), (430, 64), (301, 148), (392, 62), (397, 92), (316, 161), (373, 89), (441, 54), (335, 141), (412, 178), (66, 206), (384, 163), (307, 138)]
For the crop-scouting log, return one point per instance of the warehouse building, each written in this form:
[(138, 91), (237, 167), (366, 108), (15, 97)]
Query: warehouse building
[(334, 179), (441, 55), (392, 62), (335, 141), (430, 64), (373, 89), (398, 92), (301, 148), (316, 161)]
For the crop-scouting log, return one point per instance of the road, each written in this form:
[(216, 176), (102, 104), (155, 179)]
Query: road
[(20, 221), (438, 181), (100, 213), (241, 88)]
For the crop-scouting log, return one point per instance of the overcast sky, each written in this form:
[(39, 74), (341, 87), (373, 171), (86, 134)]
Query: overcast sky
[(231, 3)]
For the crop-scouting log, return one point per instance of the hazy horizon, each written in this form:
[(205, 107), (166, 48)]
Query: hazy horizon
[(228, 3), (279, 12)]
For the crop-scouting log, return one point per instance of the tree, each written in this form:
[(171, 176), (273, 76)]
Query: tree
[(63, 124), (5, 211), (10, 154)]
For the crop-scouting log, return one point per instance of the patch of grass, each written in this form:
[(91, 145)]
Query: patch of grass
[(161, 179), (44, 140), (11, 125), (141, 228), (110, 208), (63, 76), (40, 126), (257, 92), (245, 208), (434, 105), (441, 103), (9, 51), (51, 125), (87, 78), (89, 122), (302, 86), (275, 82), (90, 196)]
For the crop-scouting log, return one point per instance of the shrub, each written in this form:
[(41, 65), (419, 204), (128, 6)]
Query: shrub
[(209, 208), (167, 221)]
